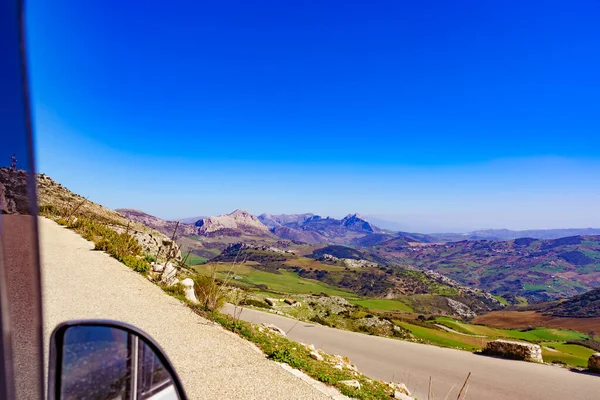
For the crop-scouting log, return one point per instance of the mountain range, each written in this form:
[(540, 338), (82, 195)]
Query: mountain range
[(524, 268)]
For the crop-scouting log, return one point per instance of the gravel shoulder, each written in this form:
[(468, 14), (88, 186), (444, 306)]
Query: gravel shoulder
[(79, 283)]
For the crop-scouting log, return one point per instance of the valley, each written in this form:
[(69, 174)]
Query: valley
[(357, 277)]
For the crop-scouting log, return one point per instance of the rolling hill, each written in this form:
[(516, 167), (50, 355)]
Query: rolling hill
[(539, 270)]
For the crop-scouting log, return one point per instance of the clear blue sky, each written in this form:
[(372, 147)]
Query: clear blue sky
[(441, 115)]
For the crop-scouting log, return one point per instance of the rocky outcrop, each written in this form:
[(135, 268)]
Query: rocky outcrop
[(348, 262), (460, 309), (594, 362), (14, 192), (235, 224), (56, 201), (514, 350), (482, 295), (152, 242)]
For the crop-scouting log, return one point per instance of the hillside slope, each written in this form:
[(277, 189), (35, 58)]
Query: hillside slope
[(58, 202), (539, 270), (582, 306)]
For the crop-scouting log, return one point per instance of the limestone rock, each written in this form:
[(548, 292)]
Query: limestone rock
[(316, 356), (460, 309), (400, 387), (352, 383), (157, 267), (594, 362), (169, 273), (514, 350), (238, 222), (188, 285), (274, 328)]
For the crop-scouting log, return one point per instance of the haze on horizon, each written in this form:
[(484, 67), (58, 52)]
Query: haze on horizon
[(453, 117)]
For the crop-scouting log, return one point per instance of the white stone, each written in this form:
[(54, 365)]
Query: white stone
[(316, 356), (169, 273), (274, 328), (399, 395), (352, 383), (157, 267), (188, 285)]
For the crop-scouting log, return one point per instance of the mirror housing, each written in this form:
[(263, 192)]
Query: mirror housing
[(109, 360)]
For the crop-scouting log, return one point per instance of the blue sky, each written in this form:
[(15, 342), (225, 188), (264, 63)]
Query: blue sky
[(439, 116)]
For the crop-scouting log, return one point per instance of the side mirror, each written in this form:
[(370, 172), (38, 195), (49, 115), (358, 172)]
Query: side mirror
[(108, 360)]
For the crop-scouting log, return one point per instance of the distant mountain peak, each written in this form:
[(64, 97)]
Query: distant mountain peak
[(236, 223), (357, 222)]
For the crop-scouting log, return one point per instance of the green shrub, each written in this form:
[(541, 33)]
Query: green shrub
[(150, 259), (209, 293), (255, 303), (287, 356), (48, 210), (137, 264)]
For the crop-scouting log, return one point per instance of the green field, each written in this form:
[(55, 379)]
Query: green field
[(554, 348), (570, 354), (194, 259), (284, 281), (443, 338), (383, 305), (536, 335)]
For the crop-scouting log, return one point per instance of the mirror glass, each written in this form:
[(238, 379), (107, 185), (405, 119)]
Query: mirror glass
[(109, 363)]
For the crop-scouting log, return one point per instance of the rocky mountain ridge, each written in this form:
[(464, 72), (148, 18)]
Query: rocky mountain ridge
[(233, 224)]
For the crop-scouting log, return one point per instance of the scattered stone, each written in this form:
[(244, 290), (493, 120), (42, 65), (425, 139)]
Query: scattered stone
[(290, 301), (514, 350), (188, 285), (338, 366), (352, 383), (168, 275), (399, 387), (270, 302), (594, 362), (274, 329), (316, 356), (312, 347), (157, 267)]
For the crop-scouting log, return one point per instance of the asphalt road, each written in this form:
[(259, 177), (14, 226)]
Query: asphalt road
[(414, 364)]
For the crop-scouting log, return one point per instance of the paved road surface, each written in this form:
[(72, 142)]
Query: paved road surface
[(213, 363), (413, 364)]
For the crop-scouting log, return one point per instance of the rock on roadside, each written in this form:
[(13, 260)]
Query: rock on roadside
[(188, 285), (594, 362), (514, 350)]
